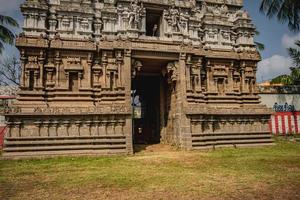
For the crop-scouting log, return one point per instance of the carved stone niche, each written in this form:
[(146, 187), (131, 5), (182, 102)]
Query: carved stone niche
[(73, 64), (236, 81), (97, 73), (195, 74), (220, 76), (32, 63), (32, 72), (50, 70), (74, 73)]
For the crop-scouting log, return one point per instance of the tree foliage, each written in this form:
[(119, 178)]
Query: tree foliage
[(294, 77), (283, 79), (284, 10), (259, 46), (294, 53), (6, 35), (10, 72)]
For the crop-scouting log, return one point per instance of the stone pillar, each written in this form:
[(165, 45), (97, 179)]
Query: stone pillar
[(118, 127), (26, 78), (110, 127), (78, 127), (94, 128), (243, 76), (104, 64), (36, 79), (199, 66), (23, 63), (162, 110), (230, 78), (119, 60), (188, 73), (127, 83), (208, 77), (88, 70), (52, 129), (184, 128), (57, 62), (41, 60), (102, 128)]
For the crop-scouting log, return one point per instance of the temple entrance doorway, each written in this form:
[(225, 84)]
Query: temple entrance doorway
[(150, 102)]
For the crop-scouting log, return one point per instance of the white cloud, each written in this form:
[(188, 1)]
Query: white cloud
[(288, 41), (272, 67)]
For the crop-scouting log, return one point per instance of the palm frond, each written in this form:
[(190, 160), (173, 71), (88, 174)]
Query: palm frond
[(8, 20), (297, 42), (284, 10), (1, 47), (260, 46), (6, 35), (295, 56), (295, 76)]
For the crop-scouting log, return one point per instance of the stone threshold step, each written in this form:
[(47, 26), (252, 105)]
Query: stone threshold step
[(46, 154), (233, 146), (67, 141), (232, 133), (225, 137), (64, 147), (233, 142), (67, 137)]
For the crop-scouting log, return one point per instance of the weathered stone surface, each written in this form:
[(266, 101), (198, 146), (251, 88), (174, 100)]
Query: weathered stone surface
[(81, 58)]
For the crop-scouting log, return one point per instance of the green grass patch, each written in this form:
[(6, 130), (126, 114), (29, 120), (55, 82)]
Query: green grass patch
[(245, 173)]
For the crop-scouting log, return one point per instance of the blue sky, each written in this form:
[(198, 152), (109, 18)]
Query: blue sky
[(274, 35)]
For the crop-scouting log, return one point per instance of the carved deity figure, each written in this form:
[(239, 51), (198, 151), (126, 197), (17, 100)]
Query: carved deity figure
[(135, 14), (172, 72), (136, 67), (224, 9), (218, 10), (200, 12), (175, 19)]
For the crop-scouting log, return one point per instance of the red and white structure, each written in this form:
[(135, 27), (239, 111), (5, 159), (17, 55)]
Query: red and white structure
[(283, 123), (285, 101)]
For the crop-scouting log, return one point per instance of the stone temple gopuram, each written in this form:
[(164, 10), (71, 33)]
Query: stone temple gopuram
[(99, 76)]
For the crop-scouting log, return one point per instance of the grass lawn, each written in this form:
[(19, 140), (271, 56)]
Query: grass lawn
[(254, 173)]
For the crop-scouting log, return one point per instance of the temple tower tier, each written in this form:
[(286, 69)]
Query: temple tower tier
[(99, 77)]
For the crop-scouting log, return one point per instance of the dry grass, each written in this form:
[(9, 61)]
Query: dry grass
[(262, 173)]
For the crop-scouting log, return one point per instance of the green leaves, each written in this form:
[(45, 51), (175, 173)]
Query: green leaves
[(294, 53), (284, 11), (260, 46), (294, 77), (283, 79), (6, 35), (8, 21)]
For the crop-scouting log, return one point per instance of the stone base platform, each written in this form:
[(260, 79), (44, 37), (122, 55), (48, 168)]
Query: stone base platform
[(204, 141), (45, 146)]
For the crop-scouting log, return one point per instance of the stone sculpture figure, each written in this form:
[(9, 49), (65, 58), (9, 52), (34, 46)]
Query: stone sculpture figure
[(134, 14), (154, 31), (175, 19)]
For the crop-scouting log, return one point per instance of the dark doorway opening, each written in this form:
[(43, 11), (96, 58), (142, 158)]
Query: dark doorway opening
[(31, 80), (146, 102), (153, 22), (73, 81)]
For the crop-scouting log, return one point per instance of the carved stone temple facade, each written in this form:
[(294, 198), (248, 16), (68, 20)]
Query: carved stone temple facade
[(99, 76)]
